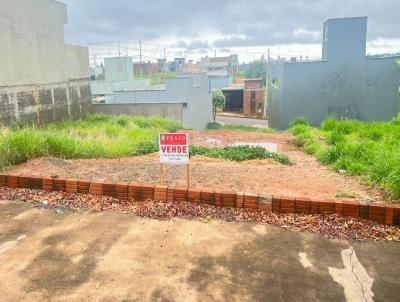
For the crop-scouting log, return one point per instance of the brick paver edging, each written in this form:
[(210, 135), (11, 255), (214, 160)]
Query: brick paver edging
[(388, 214)]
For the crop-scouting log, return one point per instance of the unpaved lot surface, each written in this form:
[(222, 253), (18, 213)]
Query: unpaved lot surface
[(108, 256), (306, 177)]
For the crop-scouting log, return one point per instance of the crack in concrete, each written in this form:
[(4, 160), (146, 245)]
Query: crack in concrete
[(355, 275), (356, 282)]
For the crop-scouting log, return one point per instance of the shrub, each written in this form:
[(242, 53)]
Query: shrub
[(299, 121), (239, 153)]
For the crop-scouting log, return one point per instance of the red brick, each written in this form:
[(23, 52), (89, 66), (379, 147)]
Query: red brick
[(264, 203), (160, 193), (71, 185), (287, 204), (239, 200), (24, 181), (194, 194), (170, 193), (121, 191), (314, 207), (377, 213), (134, 191), (351, 208), (36, 182), (396, 214), (364, 210), (389, 215), (48, 184), (3, 180), (250, 201), (228, 199), (218, 198), (207, 197), (147, 192), (60, 184), (12, 181), (180, 193), (339, 207), (96, 188), (108, 189), (276, 204), (327, 207), (83, 186), (303, 205)]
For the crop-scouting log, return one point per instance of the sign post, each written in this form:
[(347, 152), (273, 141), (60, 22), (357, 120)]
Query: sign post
[(174, 149)]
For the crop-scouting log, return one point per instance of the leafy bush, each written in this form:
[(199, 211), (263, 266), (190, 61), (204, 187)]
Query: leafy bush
[(299, 121), (239, 153), (218, 101)]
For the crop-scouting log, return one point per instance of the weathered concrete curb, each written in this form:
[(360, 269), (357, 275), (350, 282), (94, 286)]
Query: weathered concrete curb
[(388, 214)]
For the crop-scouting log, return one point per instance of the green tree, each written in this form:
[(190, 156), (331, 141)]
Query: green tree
[(256, 69), (218, 101)]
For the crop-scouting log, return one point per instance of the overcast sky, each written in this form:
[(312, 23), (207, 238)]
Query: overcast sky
[(197, 27)]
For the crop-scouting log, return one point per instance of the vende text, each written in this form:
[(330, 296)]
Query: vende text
[(174, 149)]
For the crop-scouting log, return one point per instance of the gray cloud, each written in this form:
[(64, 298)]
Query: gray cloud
[(243, 23), (192, 45)]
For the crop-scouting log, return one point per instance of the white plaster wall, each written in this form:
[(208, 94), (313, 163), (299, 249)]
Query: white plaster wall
[(32, 46), (118, 69), (77, 62), (193, 91)]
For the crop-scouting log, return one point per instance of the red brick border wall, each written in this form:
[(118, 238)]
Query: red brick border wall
[(388, 214)]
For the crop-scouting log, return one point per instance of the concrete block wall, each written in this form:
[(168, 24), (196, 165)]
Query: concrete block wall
[(345, 84), (171, 111), (39, 104), (42, 79)]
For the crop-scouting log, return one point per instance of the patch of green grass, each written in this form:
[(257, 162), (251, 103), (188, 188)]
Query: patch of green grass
[(96, 136), (371, 150), (239, 153), (218, 126)]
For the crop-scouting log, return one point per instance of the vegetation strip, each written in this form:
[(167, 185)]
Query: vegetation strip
[(96, 136), (371, 150), (239, 153), (218, 126), (379, 213)]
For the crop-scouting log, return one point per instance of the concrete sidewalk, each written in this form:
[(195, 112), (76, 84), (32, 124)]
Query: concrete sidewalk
[(107, 256), (241, 121)]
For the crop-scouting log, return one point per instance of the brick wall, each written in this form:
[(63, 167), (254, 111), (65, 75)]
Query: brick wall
[(39, 104), (258, 99), (388, 214)]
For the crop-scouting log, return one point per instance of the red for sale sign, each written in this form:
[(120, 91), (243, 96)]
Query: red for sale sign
[(174, 148)]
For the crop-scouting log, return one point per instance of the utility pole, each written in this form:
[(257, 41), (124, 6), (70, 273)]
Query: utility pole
[(215, 53), (268, 59), (165, 55), (140, 56), (119, 50)]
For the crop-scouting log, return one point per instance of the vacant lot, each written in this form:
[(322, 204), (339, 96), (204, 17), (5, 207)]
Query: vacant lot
[(305, 177), (97, 136)]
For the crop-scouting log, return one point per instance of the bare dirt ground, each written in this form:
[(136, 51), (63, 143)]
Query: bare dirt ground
[(306, 177), (109, 256)]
